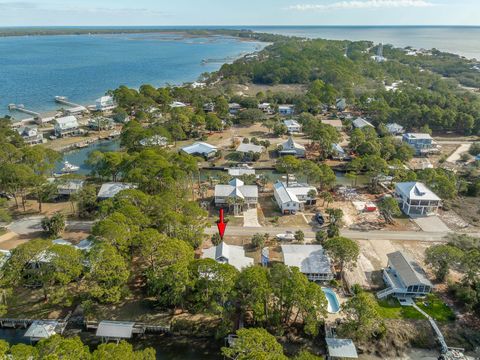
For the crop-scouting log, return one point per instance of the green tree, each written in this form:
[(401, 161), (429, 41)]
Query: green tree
[(108, 275), (86, 199), (389, 208), (122, 351), (300, 236), (54, 225), (305, 355), (58, 347), (442, 258), (343, 251), (258, 240), (254, 344), (363, 320)]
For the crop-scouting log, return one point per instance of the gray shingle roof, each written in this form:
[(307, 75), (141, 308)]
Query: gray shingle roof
[(410, 272)]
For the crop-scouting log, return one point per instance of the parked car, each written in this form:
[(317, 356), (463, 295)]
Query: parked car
[(288, 236), (319, 218)]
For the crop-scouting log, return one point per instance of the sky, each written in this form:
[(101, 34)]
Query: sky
[(238, 12)]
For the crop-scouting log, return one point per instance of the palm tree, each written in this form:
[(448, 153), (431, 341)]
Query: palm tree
[(327, 198), (235, 202)]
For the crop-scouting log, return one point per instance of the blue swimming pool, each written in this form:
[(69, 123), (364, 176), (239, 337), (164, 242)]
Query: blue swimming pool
[(333, 306)]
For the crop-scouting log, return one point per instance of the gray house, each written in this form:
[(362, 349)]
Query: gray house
[(416, 199), (404, 278), (421, 143)]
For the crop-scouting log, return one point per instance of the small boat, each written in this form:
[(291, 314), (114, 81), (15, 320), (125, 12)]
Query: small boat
[(69, 168)]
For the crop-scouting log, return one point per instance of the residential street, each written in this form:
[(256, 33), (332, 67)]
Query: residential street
[(357, 235)]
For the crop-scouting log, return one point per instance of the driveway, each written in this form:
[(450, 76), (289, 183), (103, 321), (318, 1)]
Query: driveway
[(250, 218), (32, 224), (463, 148), (431, 224)]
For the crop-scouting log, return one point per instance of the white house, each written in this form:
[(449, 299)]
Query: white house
[(266, 108), (290, 147), (109, 190), (292, 198), (67, 187), (105, 103), (30, 135), (286, 110), (360, 123), (293, 126), (404, 277), (201, 149), (228, 254), (395, 129), (310, 259), (209, 107), (115, 330), (240, 194), (246, 148), (67, 125), (416, 199), (338, 153)]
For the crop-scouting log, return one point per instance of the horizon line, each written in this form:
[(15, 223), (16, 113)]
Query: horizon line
[(227, 26)]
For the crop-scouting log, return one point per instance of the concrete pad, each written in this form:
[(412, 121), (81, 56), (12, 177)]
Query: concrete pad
[(431, 224), (463, 148), (250, 218)]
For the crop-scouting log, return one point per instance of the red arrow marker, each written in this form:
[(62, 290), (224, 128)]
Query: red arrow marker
[(221, 225)]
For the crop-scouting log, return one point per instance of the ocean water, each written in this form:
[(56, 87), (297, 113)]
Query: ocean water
[(34, 69), (464, 41)]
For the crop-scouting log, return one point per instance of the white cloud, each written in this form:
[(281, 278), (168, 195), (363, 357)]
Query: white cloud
[(367, 4)]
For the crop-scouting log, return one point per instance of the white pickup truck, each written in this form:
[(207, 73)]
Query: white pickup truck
[(288, 236)]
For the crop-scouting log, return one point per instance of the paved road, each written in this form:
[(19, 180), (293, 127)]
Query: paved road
[(358, 235), (32, 224)]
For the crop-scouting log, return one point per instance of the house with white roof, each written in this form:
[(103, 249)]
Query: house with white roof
[(30, 135), (293, 126), (67, 187), (310, 259), (228, 254), (293, 197), (109, 190), (266, 108), (395, 129), (416, 199), (290, 147), (236, 194), (404, 277), (246, 148), (67, 125), (105, 103), (422, 143), (203, 149), (360, 123), (286, 110)]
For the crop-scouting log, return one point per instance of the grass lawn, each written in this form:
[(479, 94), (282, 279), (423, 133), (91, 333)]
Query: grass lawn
[(432, 305)]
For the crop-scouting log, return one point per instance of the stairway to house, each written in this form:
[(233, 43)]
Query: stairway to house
[(385, 292)]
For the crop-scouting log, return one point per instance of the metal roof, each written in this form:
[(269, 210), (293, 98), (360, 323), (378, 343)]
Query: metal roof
[(199, 148), (361, 123), (310, 259), (236, 188), (67, 122), (109, 190), (115, 329), (341, 348), (291, 145), (416, 191), (245, 148), (230, 254), (407, 269), (41, 329), (418, 136)]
